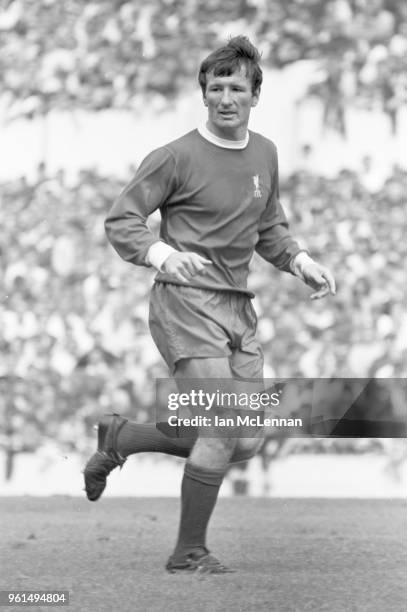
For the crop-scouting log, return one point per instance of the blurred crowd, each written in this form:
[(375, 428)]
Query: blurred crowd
[(73, 317), (120, 53), (74, 338), (358, 234)]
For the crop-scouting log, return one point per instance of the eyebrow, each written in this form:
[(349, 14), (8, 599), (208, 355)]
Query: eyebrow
[(233, 83)]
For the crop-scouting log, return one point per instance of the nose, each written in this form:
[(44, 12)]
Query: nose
[(226, 97)]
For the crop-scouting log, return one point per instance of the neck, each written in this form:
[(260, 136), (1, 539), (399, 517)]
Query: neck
[(233, 135), (225, 143)]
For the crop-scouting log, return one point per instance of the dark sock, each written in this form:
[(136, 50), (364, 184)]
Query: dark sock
[(160, 438), (199, 492), (153, 438)]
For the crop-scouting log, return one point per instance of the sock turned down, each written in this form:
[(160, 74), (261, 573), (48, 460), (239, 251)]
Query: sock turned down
[(151, 438)]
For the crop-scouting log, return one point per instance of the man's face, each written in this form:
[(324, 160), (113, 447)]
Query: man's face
[(229, 100)]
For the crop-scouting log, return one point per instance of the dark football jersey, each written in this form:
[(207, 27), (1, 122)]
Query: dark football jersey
[(220, 203)]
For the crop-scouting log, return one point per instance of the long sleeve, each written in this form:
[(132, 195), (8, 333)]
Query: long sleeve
[(275, 243), (126, 225)]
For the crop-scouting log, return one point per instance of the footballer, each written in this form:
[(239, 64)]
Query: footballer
[(216, 188)]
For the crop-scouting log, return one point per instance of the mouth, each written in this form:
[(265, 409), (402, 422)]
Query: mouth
[(227, 114)]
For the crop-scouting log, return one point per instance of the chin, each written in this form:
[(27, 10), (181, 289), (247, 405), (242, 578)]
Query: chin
[(228, 124)]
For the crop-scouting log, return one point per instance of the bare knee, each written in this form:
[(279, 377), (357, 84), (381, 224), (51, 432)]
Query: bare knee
[(246, 448), (213, 453)]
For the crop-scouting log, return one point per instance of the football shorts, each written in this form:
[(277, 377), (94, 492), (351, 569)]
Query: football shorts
[(187, 322)]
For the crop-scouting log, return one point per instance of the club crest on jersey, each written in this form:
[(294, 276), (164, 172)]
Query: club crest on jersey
[(256, 182)]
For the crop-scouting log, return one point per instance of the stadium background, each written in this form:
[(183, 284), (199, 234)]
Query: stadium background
[(87, 89)]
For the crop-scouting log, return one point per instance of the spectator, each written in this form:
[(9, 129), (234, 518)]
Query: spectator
[(59, 316), (110, 55)]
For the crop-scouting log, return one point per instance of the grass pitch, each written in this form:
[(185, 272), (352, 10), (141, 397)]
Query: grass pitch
[(289, 555)]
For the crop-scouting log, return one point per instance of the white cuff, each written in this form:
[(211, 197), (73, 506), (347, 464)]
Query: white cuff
[(158, 253), (300, 261)]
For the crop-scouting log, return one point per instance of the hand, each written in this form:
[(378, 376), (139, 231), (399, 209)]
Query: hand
[(183, 266), (319, 278)]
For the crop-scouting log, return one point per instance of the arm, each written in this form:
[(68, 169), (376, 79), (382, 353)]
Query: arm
[(275, 243), (278, 247), (126, 224)]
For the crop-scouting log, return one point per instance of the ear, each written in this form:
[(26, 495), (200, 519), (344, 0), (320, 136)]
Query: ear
[(205, 101), (256, 96)]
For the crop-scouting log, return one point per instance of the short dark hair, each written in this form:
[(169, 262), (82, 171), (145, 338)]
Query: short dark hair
[(227, 59)]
